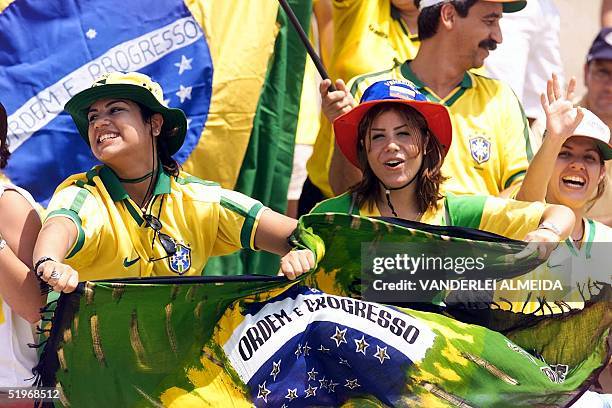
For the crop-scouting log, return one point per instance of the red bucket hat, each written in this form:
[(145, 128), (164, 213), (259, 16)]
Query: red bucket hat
[(394, 91)]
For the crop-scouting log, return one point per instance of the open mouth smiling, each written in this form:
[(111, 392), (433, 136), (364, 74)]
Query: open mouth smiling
[(575, 182), (106, 136), (394, 163)]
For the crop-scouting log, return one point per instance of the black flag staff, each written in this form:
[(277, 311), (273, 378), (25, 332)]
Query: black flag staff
[(313, 54)]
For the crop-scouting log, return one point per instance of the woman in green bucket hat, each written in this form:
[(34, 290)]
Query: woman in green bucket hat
[(138, 214)]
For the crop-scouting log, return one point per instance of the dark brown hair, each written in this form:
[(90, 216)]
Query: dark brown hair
[(4, 151), (429, 18), (429, 177), (170, 165)]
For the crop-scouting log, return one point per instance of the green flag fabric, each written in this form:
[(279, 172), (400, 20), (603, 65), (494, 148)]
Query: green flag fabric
[(268, 161), (264, 341)]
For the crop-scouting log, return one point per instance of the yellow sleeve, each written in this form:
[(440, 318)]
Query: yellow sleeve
[(238, 220), (510, 218), (515, 139), (80, 206)]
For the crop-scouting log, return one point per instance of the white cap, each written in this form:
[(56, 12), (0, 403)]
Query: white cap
[(591, 126)]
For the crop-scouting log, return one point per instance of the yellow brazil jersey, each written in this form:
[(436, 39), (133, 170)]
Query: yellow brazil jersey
[(490, 150), (115, 241), (510, 218), (367, 37)]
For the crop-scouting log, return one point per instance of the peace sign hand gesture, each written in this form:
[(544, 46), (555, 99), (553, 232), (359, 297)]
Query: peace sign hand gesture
[(562, 118)]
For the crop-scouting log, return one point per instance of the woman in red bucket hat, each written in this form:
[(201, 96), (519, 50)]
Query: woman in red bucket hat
[(399, 140)]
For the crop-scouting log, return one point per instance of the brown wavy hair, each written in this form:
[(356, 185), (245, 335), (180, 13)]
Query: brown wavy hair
[(429, 177)]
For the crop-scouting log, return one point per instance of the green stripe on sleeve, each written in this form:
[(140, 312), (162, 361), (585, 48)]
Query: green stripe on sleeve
[(465, 211), (79, 200), (247, 228), (233, 206), (77, 221), (513, 178), (193, 179)]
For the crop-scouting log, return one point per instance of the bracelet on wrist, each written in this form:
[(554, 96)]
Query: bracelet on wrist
[(551, 227), (42, 261)]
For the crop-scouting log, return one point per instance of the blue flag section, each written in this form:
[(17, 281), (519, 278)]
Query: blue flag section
[(333, 348), (75, 41)]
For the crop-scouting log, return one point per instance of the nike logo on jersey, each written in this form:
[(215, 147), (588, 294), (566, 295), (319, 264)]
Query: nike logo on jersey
[(127, 263)]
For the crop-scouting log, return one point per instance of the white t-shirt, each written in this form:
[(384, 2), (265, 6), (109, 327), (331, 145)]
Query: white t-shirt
[(16, 358)]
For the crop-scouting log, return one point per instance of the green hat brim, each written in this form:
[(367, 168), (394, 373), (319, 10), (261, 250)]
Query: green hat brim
[(605, 149), (174, 118), (514, 6)]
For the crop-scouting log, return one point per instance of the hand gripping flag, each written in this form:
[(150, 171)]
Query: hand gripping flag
[(244, 341)]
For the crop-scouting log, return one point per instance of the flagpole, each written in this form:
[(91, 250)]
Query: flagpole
[(313, 54)]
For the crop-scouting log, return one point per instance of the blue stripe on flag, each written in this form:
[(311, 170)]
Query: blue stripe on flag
[(312, 369), (51, 50)]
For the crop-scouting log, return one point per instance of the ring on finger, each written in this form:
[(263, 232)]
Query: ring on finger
[(55, 275)]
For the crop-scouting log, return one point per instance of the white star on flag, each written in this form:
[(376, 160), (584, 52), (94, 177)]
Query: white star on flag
[(381, 354), (298, 351), (352, 384), (311, 391), (184, 65), (312, 375), (332, 386), (184, 93), (306, 349), (275, 369), (263, 392), (362, 345), (344, 362), (91, 33), (291, 394), (339, 337)]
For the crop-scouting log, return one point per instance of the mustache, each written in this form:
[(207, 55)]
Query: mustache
[(488, 44)]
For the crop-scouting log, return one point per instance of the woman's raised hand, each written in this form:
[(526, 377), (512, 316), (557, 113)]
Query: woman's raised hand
[(562, 118)]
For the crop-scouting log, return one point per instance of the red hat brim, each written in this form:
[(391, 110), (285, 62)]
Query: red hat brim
[(346, 125)]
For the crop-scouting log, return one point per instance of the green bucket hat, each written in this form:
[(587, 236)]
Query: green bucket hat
[(136, 87)]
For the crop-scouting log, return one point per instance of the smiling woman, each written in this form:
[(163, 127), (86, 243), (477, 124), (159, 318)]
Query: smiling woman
[(138, 214), (399, 140), (569, 168)]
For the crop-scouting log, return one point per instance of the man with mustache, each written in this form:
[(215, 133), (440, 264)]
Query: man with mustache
[(490, 147)]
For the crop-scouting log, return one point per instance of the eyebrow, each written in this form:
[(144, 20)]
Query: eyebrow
[(493, 15), (395, 128), (590, 149), (107, 104)]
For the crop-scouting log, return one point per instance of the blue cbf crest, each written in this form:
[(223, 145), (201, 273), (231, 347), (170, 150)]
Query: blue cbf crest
[(180, 262), (480, 148)]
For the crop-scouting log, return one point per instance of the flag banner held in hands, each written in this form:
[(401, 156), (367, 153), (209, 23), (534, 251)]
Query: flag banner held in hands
[(206, 341)]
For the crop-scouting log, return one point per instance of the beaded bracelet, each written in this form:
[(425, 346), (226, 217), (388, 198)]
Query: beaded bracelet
[(42, 261)]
